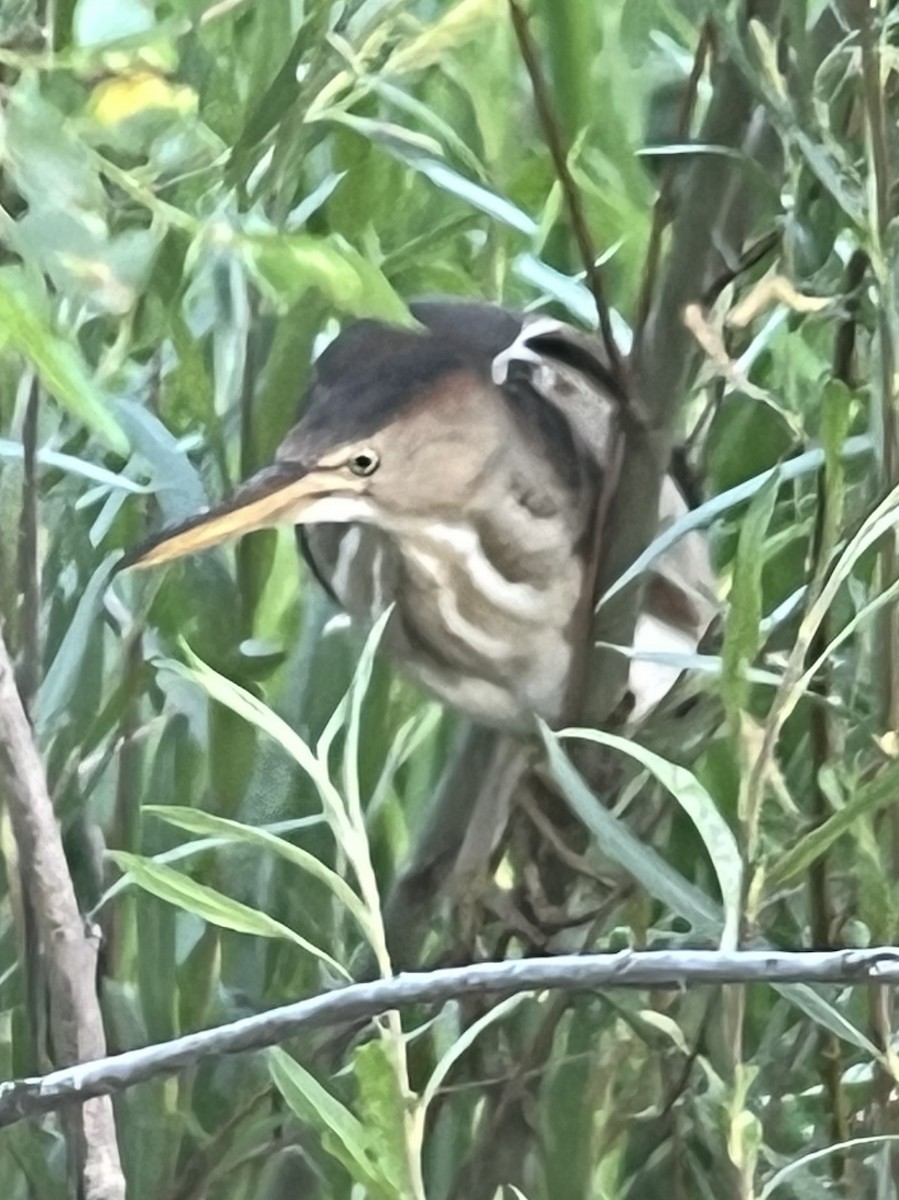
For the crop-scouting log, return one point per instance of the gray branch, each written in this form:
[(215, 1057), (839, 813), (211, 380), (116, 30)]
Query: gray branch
[(70, 956), (652, 969), (713, 216)]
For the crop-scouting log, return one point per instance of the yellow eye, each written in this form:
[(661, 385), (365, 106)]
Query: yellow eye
[(364, 462)]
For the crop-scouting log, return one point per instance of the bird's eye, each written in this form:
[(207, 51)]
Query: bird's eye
[(364, 463)]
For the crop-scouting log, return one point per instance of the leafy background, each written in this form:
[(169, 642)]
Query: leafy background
[(191, 197)]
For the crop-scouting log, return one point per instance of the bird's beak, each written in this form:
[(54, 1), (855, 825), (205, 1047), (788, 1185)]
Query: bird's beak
[(284, 492)]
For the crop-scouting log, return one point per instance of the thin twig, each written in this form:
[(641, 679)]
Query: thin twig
[(752, 255), (555, 142), (70, 954)]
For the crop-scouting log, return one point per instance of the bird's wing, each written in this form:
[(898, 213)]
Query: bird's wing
[(570, 370)]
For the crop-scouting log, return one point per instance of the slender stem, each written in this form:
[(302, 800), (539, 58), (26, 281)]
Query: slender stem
[(663, 209), (28, 576), (555, 141), (879, 214)]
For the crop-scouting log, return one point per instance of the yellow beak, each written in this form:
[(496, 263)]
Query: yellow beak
[(279, 493)]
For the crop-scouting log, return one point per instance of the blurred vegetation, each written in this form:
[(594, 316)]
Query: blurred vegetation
[(192, 195)]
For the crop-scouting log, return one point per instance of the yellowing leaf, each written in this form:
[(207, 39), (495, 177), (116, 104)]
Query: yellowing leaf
[(773, 289), (460, 25), (115, 100)]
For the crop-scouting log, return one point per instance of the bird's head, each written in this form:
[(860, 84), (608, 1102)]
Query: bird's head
[(397, 423)]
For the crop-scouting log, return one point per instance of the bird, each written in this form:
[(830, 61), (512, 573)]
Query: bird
[(459, 470)]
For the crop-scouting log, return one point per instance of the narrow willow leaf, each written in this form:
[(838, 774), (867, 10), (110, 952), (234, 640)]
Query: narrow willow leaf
[(293, 263), (812, 845), (15, 452), (669, 886), (567, 290), (699, 806), (781, 1176), (211, 905), (356, 696), (705, 514), (60, 683), (61, 369), (463, 1043), (617, 841), (741, 637), (195, 820), (456, 27), (703, 664), (836, 419), (382, 1108), (476, 195), (253, 710), (348, 1138), (881, 520), (201, 846)]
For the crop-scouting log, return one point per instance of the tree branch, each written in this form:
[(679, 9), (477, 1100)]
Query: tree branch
[(651, 969), (70, 955), (707, 232)]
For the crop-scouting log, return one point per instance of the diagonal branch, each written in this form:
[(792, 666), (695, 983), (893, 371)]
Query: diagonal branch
[(651, 969)]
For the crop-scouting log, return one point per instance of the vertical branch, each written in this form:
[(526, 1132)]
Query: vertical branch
[(879, 219), (27, 612), (821, 726), (663, 209), (705, 235), (76, 1022), (27, 558), (879, 213)]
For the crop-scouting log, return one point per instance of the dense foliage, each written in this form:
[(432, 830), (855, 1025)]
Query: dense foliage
[(192, 196)]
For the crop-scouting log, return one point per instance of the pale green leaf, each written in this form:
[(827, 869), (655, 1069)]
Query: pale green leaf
[(211, 905)]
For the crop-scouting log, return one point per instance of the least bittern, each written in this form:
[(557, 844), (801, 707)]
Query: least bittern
[(460, 471)]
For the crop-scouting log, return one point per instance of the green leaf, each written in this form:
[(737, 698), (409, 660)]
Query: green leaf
[(741, 638), (782, 1175), (59, 365), (289, 265), (794, 863), (382, 1110), (462, 1043), (60, 683), (195, 820), (253, 710), (15, 452), (705, 514), (699, 807), (648, 867), (346, 1137), (211, 905)]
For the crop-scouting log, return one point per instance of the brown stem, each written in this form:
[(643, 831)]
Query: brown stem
[(555, 141), (662, 211), (28, 581)]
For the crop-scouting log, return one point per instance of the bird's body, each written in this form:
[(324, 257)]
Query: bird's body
[(458, 472), (487, 600)]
